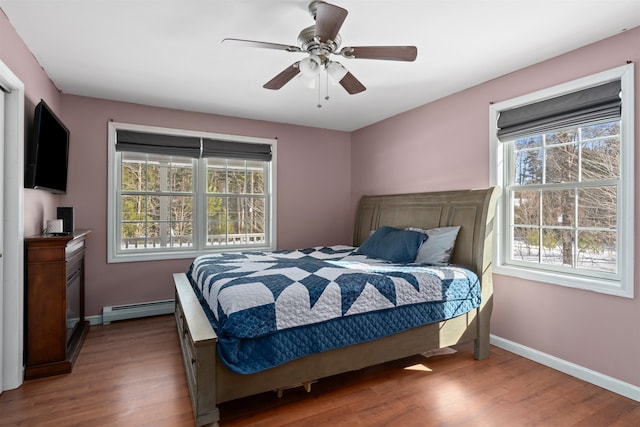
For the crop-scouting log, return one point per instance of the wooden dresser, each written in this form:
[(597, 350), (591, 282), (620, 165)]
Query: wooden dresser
[(55, 325)]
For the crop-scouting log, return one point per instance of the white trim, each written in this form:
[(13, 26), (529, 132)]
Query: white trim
[(593, 377), (113, 256), (11, 339), (94, 320), (624, 287)]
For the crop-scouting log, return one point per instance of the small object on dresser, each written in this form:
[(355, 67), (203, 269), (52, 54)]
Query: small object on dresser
[(65, 213), (54, 226)]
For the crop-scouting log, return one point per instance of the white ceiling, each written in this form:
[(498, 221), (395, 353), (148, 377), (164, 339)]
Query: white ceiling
[(169, 53)]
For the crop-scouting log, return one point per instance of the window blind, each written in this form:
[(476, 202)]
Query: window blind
[(184, 146), (236, 150), (594, 104), (153, 143)]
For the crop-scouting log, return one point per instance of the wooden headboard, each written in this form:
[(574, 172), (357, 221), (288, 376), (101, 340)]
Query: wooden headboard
[(472, 210)]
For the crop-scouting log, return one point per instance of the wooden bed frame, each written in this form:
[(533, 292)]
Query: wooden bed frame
[(210, 382)]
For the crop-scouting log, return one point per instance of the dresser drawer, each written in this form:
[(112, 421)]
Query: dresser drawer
[(74, 248)]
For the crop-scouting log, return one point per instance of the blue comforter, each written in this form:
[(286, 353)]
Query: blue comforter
[(271, 307)]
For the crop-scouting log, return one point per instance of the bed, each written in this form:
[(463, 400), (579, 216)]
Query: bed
[(213, 379)]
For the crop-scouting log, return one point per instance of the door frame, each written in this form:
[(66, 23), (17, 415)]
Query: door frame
[(12, 287)]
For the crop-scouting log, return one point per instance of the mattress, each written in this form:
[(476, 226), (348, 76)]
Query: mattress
[(268, 308)]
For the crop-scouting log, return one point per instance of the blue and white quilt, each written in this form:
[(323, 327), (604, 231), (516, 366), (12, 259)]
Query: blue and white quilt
[(271, 307)]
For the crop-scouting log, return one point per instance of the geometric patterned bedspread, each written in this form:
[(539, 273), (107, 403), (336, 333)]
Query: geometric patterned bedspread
[(271, 307)]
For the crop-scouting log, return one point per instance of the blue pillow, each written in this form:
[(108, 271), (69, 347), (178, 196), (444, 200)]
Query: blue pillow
[(392, 244)]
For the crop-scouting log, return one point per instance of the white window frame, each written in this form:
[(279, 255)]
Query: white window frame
[(115, 255), (623, 282)]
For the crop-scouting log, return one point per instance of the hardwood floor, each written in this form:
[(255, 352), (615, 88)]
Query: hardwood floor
[(130, 373)]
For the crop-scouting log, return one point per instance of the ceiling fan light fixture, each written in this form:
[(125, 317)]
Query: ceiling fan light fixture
[(336, 72), (308, 81), (310, 66), (320, 41)]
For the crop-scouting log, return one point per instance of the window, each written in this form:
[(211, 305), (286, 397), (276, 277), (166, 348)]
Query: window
[(564, 158), (177, 194)]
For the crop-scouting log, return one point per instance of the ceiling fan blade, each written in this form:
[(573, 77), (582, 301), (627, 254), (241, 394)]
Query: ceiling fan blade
[(393, 53), (284, 77), (351, 84), (266, 45), (329, 19)]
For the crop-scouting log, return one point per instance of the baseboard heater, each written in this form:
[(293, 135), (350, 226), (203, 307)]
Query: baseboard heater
[(133, 311)]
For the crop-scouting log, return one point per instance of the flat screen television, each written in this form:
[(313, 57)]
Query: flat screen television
[(47, 152)]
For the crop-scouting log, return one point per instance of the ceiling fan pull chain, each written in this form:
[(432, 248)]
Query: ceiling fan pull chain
[(326, 74), (322, 40)]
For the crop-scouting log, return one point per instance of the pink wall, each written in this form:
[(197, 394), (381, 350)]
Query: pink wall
[(39, 206), (313, 182), (321, 174), (313, 190), (444, 145)]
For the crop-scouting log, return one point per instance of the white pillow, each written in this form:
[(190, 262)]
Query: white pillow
[(438, 247)]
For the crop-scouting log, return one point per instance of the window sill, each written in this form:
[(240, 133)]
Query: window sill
[(161, 256), (609, 287)]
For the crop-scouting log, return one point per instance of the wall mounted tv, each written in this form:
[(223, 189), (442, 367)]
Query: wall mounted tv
[(47, 152)]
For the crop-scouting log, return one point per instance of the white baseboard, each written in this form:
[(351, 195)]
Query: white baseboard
[(94, 320), (609, 383)]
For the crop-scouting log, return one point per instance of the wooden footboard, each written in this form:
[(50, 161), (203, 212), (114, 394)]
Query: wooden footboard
[(198, 343), (210, 382)]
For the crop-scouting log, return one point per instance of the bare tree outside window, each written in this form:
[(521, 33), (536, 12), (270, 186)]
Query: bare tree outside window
[(157, 201), (565, 197), (235, 202), (177, 193)]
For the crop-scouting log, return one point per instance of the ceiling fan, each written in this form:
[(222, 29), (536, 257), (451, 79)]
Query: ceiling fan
[(322, 40)]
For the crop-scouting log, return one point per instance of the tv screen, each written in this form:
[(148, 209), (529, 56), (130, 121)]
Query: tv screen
[(47, 152)]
